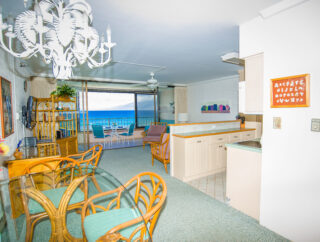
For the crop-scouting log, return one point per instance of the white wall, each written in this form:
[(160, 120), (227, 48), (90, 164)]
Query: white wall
[(19, 97), (222, 89), (166, 96), (290, 188)]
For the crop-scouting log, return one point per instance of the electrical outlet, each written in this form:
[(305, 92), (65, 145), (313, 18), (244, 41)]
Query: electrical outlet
[(277, 122), (315, 125)]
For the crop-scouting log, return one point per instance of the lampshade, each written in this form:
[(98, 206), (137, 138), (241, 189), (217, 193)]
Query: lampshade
[(183, 117)]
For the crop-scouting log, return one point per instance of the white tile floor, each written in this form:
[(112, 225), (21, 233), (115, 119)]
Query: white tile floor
[(214, 185)]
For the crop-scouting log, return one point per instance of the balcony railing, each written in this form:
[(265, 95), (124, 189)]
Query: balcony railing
[(121, 121)]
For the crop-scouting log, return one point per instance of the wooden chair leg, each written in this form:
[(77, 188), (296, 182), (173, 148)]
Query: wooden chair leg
[(165, 167), (152, 160), (28, 231), (143, 144)]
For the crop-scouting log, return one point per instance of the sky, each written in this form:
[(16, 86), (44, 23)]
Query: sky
[(117, 101), (109, 101)]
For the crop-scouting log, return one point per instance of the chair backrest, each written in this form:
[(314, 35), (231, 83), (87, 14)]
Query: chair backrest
[(30, 141), (97, 131), (162, 150), (150, 193), (159, 123), (131, 129), (50, 164), (45, 171), (89, 157), (156, 130)]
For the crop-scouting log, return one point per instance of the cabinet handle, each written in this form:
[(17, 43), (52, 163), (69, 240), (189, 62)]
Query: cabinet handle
[(220, 146), (199, 141), (248, 134), (235, 136), (220, 139)]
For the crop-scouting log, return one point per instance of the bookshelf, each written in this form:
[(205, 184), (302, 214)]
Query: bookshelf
[(56, 122)]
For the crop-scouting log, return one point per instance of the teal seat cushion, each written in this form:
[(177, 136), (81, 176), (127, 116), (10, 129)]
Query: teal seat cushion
[(98, 224), (87, 168), (55, 195), (126, 134)]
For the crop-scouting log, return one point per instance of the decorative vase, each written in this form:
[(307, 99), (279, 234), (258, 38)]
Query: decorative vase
[(242, 125), (18, 154)]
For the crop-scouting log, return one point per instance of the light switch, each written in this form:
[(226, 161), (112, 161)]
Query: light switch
[(315, 125), (277, 122)]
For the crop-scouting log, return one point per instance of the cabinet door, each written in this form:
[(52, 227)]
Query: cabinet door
[(217, 154), (197, 156), (254, 84), (221, 153)]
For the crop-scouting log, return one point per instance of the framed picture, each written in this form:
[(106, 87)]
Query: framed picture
[(290, 91), (6, 108)]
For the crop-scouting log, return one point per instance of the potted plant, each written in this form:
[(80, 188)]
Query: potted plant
[(64, 91)]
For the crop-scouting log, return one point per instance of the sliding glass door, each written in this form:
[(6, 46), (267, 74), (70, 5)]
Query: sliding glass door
[(146, 109)]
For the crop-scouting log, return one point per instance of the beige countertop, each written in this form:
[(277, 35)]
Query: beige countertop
[(210, 132)]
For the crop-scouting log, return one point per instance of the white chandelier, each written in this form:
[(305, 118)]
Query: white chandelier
[(61, 33)]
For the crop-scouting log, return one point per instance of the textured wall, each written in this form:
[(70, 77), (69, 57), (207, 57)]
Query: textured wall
[(222, 89), (290, 194)]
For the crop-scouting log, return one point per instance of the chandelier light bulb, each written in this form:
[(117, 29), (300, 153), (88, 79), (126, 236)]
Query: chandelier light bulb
[(108, 34), (60, 33)]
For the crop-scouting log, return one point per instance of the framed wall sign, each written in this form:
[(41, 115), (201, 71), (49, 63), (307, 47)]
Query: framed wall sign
[(7, 125), (290, 92)]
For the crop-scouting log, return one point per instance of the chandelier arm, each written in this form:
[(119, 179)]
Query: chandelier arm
[(102, 62), (26, 54)]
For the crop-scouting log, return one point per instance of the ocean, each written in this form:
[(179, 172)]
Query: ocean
[(118, 117)]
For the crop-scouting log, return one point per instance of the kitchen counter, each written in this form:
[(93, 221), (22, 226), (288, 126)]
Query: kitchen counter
[(210, 132), (251, 145)]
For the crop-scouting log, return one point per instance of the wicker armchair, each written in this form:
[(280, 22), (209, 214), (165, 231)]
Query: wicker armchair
[(154, 134), (111, 221), (51, 194), (161, 151)]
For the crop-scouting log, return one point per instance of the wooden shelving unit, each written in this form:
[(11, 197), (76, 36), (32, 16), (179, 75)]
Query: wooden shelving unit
[(53, 114)]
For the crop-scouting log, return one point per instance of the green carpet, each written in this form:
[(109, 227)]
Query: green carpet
[(188, 214)]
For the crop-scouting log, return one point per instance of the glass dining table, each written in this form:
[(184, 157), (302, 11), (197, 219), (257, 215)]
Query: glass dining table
[(51, 205)]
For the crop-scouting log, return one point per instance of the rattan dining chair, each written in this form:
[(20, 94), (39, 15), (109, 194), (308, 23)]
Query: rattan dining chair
[(114, 221), (46, 192), (90, 157), (88, 161)]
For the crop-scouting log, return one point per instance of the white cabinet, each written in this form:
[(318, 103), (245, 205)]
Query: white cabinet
[(244, 180), (217, 153), (196, 156), (254, 84), (203, 156)]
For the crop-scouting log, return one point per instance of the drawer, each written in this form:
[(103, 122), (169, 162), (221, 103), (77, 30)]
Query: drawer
[(219, 138), (235, 137), (196, 140), (249, 135)]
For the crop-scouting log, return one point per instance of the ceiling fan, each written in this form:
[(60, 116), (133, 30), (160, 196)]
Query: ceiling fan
[(152, 83)]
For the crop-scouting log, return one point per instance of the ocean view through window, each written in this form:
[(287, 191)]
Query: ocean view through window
[(118, 109)]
